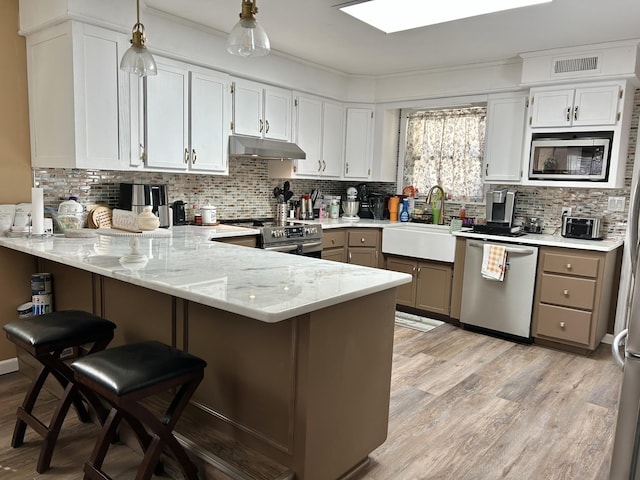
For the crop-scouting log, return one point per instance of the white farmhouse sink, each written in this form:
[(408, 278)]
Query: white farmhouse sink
[(419, 240)]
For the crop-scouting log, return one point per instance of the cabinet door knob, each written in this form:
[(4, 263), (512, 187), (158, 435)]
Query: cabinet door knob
[(565, 293), (362, 240), (568, 266), (562, 325), (186, 155), (333, 241)]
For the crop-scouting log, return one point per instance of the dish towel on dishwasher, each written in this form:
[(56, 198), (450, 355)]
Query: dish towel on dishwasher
[(494, 258)]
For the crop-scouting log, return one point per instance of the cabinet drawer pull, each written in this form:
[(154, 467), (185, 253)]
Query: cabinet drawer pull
[(568, 114), (193, 155), (565, 293), (563, 325), (575, 113), (186, 155), (568, 266), (261, 125), (333, 241), (266, 122)]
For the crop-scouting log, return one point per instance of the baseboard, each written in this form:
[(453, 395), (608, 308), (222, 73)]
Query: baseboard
[(8, 366)]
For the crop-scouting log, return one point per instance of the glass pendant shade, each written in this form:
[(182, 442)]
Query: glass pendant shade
[(139, 61), (248, 39)]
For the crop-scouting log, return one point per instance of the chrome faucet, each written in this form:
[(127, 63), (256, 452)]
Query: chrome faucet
[(429, 201)]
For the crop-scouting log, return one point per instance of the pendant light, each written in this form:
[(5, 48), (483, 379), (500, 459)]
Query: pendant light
[(248, 39), (138, 59)]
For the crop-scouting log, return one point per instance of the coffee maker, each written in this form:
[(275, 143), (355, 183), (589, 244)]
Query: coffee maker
[(500, 205), (135, 196)]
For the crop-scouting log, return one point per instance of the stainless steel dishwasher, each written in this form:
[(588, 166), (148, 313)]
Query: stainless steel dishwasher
[(501, 306)]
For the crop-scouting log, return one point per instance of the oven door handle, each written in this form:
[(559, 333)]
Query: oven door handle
[(282, 248), (311, 245)]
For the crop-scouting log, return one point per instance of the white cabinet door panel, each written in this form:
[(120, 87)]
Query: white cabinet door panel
[(359, 143), (309, 134), (332, 140), (596, 105), (552, 108), (247, 109), (209, 121), (167, 118), (277, 114)]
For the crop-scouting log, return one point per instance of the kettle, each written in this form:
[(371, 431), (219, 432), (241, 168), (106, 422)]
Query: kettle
[(179, 213)]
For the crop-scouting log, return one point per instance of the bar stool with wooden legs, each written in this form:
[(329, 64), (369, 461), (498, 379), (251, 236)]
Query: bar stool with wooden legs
[(45, 337), (124, 376)]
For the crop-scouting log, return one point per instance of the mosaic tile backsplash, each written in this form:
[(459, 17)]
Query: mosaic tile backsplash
[(247, 191)]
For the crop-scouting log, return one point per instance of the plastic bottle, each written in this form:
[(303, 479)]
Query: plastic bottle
[(70, 206), (463, 213), (404, 214)]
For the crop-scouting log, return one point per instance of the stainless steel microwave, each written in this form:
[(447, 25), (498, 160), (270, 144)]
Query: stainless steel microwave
[(570, 157)]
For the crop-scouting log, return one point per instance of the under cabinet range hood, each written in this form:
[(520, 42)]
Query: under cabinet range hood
[(251, 147)]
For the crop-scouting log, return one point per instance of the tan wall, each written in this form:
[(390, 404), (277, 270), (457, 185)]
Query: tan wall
[(15, 161)]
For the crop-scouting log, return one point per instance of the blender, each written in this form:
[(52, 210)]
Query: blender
[(351, 205)]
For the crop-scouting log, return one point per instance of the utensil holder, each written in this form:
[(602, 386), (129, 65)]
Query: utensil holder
[(281, 213)]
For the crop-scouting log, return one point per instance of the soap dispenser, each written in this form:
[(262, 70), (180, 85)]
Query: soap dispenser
[(404, 214)]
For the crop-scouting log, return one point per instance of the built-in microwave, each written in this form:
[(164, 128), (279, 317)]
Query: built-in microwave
[(575, 156)]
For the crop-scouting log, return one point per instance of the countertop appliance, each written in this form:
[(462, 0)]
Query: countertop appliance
[(292, 237), (179, 213), (136, 196), (586, 228), (500, 306), (625, 462), (500, 208)]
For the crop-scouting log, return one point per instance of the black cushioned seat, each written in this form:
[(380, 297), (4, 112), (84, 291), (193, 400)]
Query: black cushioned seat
[(45, 337), (124, 376)]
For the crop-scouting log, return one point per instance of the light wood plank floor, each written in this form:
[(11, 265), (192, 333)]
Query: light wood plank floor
[(469, 406), (463, 406)]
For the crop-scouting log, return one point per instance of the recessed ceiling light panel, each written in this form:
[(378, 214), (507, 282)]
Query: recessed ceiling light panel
[(398, 15)]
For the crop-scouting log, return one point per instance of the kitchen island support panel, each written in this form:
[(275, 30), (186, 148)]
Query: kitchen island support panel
[(310, 392)]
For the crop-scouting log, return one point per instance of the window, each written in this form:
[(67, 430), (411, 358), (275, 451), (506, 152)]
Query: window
[(445, 147)]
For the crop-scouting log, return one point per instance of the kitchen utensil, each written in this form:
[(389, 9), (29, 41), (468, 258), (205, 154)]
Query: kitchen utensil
[(287, 195), (286, 187), (277, 192)]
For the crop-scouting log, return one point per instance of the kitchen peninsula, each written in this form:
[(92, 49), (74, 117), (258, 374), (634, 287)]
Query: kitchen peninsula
[(299, 350)]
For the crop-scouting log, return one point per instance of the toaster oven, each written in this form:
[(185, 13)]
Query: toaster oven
[(587, 228)]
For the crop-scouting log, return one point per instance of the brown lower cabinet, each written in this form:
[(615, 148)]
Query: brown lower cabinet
[(333, 245), (430, 289), (575, 297), (360, 246)]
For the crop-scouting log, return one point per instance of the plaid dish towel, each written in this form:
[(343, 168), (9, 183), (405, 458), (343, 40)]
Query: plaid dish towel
[(494, 258)]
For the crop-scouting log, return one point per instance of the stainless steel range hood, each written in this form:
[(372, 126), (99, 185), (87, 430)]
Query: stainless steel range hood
[(251, 147)]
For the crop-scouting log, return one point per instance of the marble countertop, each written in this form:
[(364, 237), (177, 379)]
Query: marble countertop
[(605, 245), (555, 240), (264, 285)]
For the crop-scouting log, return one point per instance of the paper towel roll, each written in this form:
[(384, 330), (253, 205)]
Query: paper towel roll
[(37, 211)]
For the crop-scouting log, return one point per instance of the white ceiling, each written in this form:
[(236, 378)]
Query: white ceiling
[(316, 31)]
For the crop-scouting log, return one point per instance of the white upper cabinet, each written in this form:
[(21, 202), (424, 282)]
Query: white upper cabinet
[(584, 106), (504, 137), (187, 119), (359, 143), (261, 110), (319, 132), (79, 110)]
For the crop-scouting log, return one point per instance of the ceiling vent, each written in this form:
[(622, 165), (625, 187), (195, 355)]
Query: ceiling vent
[(577, 64)]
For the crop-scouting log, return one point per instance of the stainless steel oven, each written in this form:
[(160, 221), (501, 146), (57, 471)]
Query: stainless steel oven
[(292, 237)]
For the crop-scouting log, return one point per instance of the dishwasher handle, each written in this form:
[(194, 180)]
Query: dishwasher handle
[(519, 250)]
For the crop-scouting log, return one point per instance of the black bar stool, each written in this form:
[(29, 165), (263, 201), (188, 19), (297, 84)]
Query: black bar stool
[(126, 375), (44, 337)]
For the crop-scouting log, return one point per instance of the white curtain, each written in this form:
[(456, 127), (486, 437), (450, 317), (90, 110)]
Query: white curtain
[(445, 148)]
